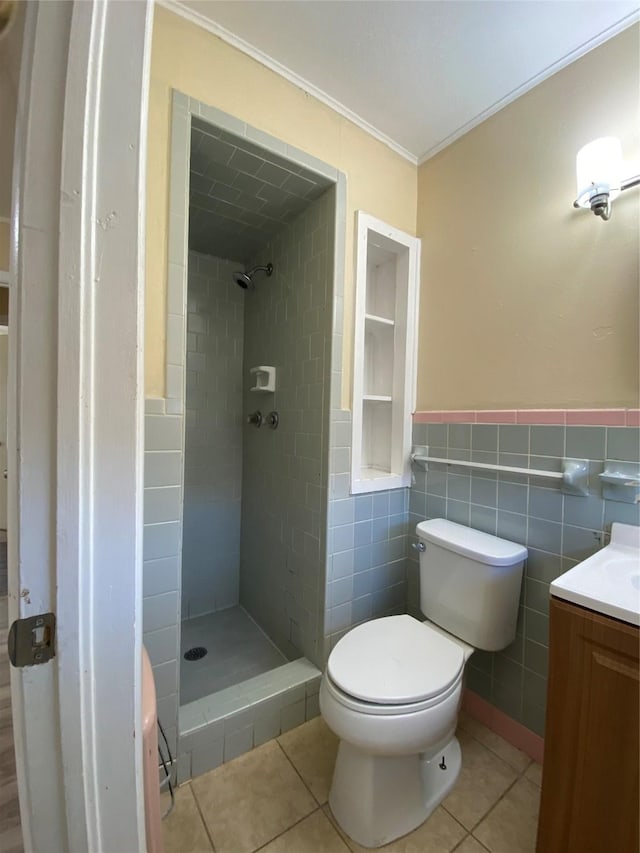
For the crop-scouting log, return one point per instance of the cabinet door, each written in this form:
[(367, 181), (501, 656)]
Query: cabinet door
[(590, 790)]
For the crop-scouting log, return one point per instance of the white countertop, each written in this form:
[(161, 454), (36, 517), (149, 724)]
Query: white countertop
[(609, 581)]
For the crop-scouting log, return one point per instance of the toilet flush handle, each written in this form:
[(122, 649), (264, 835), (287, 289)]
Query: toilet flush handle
[(419, 546)]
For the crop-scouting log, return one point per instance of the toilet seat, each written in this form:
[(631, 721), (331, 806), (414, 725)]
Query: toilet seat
[(394, 665), (372, 709)]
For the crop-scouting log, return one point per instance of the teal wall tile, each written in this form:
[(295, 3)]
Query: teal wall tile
[(586, 442), (513, 438), (546, 503), (559, 530), (483, 518), (547, 440), (484, 437), (623, 443), (512, 497)]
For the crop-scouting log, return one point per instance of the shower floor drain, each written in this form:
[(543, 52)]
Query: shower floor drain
[(195, 653)]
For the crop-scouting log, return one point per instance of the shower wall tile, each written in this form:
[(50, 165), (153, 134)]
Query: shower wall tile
[(161, 552), (162, 645), (213, 437), (367, 535), (557, 529), (285, 472), (161, 540), (162, 469), (162, 432), (161, 575), (162, 504), (218, 728), (160, 611), (166, 679)]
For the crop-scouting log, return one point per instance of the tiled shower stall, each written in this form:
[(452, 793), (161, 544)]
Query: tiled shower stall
[(260, 506), (213, 437)]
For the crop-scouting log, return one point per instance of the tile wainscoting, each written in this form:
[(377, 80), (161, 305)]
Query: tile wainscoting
[(559, 530), (561, 417), (163, 475)]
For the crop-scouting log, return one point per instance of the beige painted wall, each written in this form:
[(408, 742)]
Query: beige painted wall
[(190, 59), (526, 302)]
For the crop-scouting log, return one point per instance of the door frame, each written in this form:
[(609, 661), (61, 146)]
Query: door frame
[(75, 419)]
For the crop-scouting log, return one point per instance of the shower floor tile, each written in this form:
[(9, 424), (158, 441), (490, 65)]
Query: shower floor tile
[(237, 649)]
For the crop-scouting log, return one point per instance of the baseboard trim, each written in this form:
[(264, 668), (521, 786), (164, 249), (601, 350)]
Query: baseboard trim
[(513, 732)]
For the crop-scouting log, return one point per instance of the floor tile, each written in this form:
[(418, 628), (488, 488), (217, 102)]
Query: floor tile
[(534, 773), (513, 756), (251, 800), (312, 750), (184, 830), (470, 845), (314, 834), (483, 779), (439, 834), (512, 825)]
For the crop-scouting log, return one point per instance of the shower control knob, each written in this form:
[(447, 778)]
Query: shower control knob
[(272, 420), (255, 418)]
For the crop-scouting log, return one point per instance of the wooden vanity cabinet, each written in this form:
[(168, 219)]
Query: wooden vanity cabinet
[(590, 790)]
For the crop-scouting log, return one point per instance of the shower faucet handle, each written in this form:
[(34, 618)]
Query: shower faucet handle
[(255, 418)]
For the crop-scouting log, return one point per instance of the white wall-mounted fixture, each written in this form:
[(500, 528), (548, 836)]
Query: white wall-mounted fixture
[(574, 473), (621, 482), (599, 175), (265, 378)]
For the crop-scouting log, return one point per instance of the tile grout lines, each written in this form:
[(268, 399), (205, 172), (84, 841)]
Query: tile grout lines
[(469, 833), (204, 823), (520, 775)]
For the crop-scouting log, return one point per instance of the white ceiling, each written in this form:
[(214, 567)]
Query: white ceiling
[(417, 74)]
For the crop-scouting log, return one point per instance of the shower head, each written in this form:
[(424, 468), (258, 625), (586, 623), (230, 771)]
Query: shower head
[(245, 279)]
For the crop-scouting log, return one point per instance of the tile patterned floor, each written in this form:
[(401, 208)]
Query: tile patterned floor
[(237, 650), (274, 799), (10, 833)]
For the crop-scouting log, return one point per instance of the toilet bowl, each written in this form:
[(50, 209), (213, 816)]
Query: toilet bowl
[(392, 687), (391, 693)]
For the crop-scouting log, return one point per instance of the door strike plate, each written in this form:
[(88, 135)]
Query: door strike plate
[(32, 640)]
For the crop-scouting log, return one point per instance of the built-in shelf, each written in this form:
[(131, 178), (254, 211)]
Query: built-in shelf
[(383, 321), (384, 355), (374, 474)]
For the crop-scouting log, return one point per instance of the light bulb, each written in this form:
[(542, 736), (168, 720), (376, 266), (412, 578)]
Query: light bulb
[(599, 170)]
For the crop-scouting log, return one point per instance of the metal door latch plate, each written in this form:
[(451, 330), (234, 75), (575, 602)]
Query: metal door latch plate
[(32, 640)]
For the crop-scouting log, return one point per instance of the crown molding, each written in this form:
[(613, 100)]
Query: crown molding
[(532, 82), (255, 53), (245, 47)]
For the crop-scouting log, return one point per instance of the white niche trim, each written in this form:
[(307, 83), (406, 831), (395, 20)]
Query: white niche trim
[(386, 316)]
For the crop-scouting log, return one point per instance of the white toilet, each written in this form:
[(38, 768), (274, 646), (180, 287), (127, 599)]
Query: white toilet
[(392, 687)]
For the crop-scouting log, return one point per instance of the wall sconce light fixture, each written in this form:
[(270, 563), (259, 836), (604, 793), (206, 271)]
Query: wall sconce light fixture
[(599, 174)]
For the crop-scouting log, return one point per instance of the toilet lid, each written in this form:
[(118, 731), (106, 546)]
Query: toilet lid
[(395, 660)]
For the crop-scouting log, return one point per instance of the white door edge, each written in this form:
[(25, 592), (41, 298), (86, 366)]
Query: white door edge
[(75, 440)]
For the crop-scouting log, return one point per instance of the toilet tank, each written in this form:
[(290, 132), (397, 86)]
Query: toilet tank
[(470, 582)]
